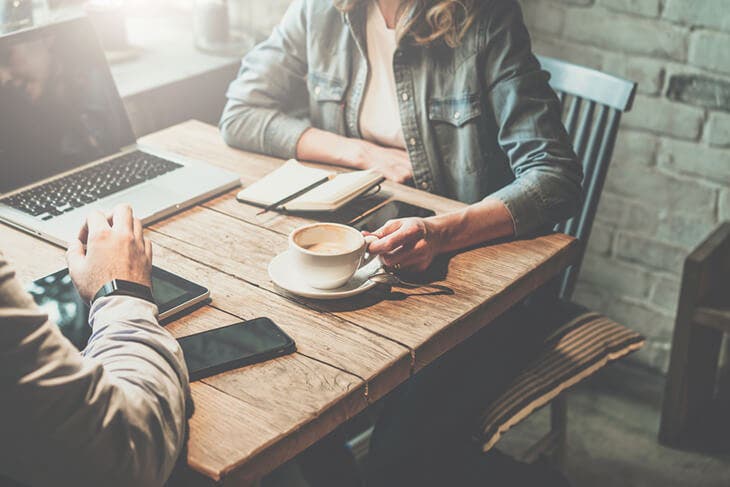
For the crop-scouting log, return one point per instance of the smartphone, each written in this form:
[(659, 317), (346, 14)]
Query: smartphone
[(215, 351), (56, 295), (352, 211), (390, 211)]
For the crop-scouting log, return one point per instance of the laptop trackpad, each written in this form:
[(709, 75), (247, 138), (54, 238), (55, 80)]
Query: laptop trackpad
[(146, 200)]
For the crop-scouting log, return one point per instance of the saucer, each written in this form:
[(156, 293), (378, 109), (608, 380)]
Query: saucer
[(282, 273)]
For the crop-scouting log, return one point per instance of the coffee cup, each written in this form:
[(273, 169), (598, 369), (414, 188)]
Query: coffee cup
[(327, 255)]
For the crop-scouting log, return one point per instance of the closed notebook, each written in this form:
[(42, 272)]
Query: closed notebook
[(335, 190)]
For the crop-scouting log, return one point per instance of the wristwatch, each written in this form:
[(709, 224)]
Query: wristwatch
[(120, 287)]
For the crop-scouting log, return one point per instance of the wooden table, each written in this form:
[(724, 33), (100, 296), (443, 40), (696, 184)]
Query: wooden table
[(350, 353)]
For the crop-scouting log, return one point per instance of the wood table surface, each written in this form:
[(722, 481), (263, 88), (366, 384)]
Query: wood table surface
[(350, 353)]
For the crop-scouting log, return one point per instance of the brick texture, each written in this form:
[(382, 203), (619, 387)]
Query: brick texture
[(695, 160), (599, 27), (666, 293), (710, 50), (700, 90), (669, 182), (648, 8), (699, 13), (718, 129), (661, 116), (724, 209)]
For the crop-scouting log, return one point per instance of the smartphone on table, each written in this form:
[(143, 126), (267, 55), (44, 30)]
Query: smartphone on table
[(230, 347), (390, 211)]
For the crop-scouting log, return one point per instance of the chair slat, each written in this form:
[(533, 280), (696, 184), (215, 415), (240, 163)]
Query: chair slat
[(583, 129), (594, 179), (589, 84), (571, 118), (589, 160)]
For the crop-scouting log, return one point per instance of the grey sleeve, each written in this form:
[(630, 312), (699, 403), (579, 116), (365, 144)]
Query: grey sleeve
[(267, 108), (112, 416), (547, 186)]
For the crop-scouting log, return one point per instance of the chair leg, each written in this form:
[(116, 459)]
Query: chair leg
[(559, 428), (690, 383), (552, 445)]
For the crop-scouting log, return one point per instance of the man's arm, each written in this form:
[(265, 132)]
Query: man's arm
[(114, 416)]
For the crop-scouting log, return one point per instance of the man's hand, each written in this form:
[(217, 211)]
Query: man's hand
[(109, 248)]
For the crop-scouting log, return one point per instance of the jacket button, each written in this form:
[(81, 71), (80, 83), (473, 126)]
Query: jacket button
[(425, 186), (404, 96), (317, 90), (457, 115), (412, 141)]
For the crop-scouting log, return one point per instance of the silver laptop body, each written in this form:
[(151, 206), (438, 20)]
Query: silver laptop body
[(63, 126)]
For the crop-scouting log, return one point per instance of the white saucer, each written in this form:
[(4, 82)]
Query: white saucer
[(282, 273)]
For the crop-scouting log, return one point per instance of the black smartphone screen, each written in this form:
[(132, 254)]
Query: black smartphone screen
[(56, 295), (233, 346), (390, 211)]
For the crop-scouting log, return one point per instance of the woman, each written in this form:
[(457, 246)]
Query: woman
[(445, 95)]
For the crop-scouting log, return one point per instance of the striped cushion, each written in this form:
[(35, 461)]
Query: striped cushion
[(579, 348)]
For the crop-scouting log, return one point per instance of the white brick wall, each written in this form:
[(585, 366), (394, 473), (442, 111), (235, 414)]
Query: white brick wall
[(669, 183)]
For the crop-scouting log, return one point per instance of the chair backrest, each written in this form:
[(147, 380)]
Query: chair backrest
[(592, 104)]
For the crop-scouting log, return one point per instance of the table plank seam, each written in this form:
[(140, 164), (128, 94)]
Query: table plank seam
[(343, 320), (293, 299), (240, 219), (223, 474)]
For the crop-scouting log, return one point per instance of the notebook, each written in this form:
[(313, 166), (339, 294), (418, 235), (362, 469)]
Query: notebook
[(333, 191)]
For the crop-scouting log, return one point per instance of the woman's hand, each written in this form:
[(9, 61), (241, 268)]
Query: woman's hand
[(408, 244), (320, 146), (394, 164)]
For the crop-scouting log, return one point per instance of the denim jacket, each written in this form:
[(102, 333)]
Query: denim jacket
[(478, 120)]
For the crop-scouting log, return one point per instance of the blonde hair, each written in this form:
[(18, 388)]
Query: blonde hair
[(429, 21)]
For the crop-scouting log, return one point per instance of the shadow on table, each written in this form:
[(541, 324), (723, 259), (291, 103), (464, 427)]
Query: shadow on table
[(436, 273)]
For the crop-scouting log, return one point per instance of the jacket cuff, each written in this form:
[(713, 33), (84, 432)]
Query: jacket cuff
[(523, 201), (110, 309), (282, 135)]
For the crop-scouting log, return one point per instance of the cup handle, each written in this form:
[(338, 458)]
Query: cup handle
[(368, 257)]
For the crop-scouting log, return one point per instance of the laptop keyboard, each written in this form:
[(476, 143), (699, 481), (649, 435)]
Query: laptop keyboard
[(94, 183)]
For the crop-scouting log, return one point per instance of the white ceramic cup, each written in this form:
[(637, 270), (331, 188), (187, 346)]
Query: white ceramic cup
[(327, 255)]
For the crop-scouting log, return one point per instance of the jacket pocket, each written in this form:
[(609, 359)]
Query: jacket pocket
[(327, 102), (454, 111), (455, 123)]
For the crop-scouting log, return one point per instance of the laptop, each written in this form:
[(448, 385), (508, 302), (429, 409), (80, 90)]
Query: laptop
[(66, 143)]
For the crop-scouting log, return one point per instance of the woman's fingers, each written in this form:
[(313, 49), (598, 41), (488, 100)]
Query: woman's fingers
[(405, 235), (389, 227), (417, 258), (398, 256)]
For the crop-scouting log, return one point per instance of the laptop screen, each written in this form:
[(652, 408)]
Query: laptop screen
[(59, 106)]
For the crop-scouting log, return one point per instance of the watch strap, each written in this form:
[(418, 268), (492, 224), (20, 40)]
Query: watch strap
[(120, 287)]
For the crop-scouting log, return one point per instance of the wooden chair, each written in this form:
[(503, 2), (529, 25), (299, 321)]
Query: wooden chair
[(703, 316), (592, 104)]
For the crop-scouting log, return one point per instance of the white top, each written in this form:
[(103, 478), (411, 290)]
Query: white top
[(379, 115)]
